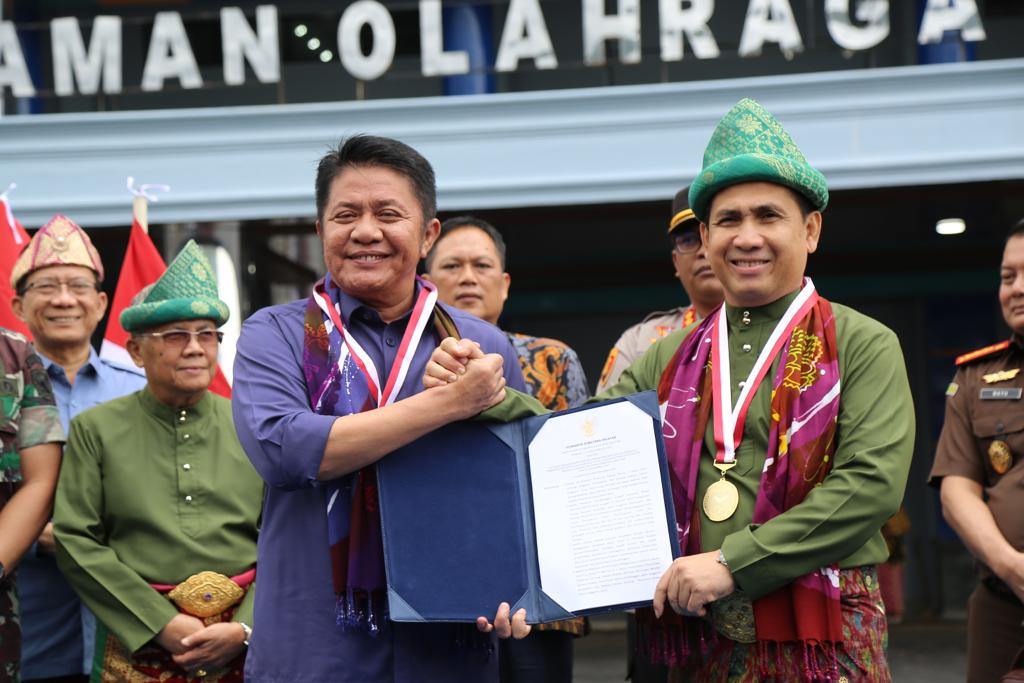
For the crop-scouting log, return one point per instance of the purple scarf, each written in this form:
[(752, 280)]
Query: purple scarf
[(353, 515)]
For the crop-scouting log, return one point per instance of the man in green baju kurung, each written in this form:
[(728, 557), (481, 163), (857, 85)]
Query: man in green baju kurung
[(156, 489), (777, 582)]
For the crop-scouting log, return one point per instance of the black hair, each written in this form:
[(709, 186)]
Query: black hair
[(467, 221), (1016, 230), (806, 208), (370, 150)]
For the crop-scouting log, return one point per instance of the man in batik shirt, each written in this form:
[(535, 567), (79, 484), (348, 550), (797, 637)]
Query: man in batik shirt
[(30, 440), (789, 430), (467, 263)]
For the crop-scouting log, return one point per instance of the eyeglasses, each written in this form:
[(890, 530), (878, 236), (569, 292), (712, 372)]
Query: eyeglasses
[(179, 339), (686, 242), (77, 287)]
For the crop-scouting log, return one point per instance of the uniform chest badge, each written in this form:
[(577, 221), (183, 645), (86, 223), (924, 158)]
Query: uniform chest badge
[(1000, 376), (1000, 456)]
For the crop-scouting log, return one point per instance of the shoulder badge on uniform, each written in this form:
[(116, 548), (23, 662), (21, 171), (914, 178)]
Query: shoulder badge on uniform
[(982, 352), (662, 314), (1001, 376), (609, 364), (952, 389)]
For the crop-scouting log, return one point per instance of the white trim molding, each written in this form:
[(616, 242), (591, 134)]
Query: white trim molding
[(916, 125)]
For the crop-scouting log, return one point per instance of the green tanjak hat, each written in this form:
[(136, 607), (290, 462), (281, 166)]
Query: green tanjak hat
[(750, 145), (186, 291)]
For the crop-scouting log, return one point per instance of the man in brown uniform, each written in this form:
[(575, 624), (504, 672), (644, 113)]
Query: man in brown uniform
[(700, 284), (979, 467)]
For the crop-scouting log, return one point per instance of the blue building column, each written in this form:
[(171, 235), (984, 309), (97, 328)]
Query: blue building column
[(952, 47), (468, 27)]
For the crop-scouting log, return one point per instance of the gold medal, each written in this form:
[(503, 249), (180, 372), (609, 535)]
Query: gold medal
[(1000, 456), (722, 498)]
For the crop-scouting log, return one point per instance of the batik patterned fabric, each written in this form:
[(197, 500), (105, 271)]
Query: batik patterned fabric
[(552, 370), (58, 243), (804, 412), (865, 633), (748, 145), (28, 411), (186, 291), (10, 627), (115, 663)]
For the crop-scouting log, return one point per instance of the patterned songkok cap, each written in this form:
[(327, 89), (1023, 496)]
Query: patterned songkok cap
[(186, 291), (58, 243), (750, 145)]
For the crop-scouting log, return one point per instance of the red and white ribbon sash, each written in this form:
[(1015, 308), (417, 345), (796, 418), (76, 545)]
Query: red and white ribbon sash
[(421, 314), (728, 419)]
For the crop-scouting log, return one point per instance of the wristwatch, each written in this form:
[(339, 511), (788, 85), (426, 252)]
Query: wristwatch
[(247, 630), (721, 559)]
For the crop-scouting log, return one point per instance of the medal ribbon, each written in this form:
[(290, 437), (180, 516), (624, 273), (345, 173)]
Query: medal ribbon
[(729, 420), (421, 314)]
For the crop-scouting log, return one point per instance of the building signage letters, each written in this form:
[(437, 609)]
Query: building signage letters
[(88, 69)]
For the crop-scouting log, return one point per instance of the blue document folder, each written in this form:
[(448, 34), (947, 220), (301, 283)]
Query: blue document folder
[(458, 523)]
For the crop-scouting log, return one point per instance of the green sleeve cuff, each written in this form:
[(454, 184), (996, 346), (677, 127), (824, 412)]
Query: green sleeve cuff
[(514, 406), (742, 553), (140, 626)]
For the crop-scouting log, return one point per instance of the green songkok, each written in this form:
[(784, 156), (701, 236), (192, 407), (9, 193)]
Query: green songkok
[(750, 145), (186, 291)]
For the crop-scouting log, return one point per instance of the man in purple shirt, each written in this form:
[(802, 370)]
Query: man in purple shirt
[(326, 387)]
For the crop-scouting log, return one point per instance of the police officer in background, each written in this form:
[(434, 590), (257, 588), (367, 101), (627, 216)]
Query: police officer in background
[(979, 469), (700, 284)]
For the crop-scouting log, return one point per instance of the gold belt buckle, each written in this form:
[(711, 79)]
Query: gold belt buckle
[(206, 594)]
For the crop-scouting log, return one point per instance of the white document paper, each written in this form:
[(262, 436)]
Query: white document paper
[(602, 530)]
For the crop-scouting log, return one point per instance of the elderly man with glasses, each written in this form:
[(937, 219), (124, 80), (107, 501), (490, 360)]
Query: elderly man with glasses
[(57, 283), (700, 283), (157, 504)]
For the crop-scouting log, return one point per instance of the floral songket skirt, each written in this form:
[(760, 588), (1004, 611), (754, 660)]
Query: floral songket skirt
[(861, 656)]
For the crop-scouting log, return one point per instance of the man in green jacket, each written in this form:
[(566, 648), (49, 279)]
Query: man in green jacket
[(157, 504), (788, 426)]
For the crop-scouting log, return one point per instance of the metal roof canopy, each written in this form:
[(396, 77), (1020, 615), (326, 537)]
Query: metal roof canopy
[(914, 125)]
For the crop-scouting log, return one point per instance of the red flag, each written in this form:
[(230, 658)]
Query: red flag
[(142, 266), (13, 240)]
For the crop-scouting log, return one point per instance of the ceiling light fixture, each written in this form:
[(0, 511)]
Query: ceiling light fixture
[(950, 226)]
